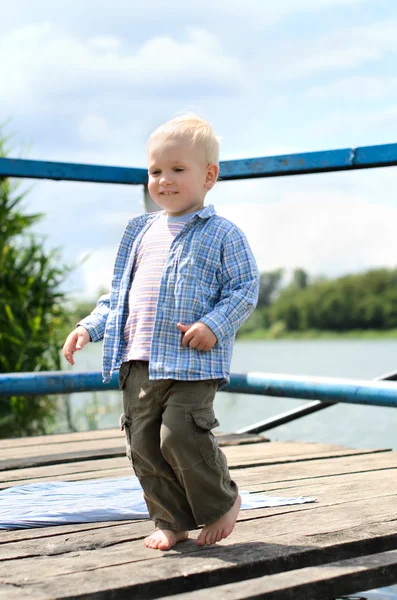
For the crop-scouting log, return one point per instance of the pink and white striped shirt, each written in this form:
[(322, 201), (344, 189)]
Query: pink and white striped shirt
[(148, 269)]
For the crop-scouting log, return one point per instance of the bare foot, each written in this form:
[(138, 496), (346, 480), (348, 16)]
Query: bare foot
[(215, 532), (163, 539)]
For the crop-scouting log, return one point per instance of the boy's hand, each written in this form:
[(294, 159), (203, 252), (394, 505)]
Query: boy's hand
[(197, 336), (75, 341)]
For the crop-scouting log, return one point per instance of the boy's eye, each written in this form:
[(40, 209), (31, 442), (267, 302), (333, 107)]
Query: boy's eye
[(178, 169), (155, 173)]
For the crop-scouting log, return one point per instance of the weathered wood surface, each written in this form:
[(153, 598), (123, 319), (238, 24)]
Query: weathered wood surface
[(78, 447), (277, 553), (311, 583), (112, 434), (75, 451), (117, 467)]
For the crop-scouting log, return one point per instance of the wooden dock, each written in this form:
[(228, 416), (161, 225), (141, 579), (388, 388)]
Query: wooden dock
[(343, 543)]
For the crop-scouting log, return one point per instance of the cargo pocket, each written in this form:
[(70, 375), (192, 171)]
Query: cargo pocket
[(125, 424), (123, 374), (204, 421)]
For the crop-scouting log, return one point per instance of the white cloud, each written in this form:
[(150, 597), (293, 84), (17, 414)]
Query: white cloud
[(67, 94), (340, 49), (93, 128), (330, 232), (261, 13), (131, 17), (362, 125), (41, 62), (324, 230), (351, 88), (97, 271), (105, 43)]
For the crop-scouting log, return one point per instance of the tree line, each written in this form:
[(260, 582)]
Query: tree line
[(364, 301)]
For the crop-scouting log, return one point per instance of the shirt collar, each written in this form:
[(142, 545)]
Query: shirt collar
[(206, 212)]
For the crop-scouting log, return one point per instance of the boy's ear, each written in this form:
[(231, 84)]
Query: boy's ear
[(211, 176)]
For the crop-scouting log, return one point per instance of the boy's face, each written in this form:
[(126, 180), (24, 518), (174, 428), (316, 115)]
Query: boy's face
[(179, 176)]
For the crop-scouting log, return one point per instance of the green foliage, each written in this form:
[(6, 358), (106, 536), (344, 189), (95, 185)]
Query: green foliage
[(353, 302), (31, 313), (301, 279), (82, 310), (310, 307), (269, 286)]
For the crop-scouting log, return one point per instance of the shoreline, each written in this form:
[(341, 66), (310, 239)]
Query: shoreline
[(318, 334)]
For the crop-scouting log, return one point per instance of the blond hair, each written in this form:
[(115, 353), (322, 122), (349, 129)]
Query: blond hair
[(199, 130)]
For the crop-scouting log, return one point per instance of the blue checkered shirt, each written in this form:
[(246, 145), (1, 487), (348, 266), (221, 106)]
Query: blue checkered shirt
[(210, 275)]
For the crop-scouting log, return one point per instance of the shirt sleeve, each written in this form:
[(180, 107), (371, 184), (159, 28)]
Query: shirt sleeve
[(95, 323), (240, 287)]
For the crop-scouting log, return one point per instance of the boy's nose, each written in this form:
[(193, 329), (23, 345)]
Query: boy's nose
[(164, 181)]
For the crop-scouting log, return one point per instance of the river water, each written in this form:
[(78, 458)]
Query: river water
[(348, 425)]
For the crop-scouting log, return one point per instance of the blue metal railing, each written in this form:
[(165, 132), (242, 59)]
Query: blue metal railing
[(325, 391), (365, 157)]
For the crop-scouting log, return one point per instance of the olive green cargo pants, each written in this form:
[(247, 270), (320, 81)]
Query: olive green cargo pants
[(177, 459)]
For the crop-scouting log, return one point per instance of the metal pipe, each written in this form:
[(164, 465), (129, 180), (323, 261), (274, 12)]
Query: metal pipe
[(345, 159), (283, 418), (326, 389), (302, 411), (60, 171)]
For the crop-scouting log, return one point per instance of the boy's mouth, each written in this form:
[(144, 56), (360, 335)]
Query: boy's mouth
[(168, 193)]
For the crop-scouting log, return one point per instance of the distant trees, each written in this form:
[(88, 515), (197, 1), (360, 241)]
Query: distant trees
[(31, 311), (352, 302), (269, 285)]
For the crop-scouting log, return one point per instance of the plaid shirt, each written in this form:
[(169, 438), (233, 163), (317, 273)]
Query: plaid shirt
[(210, 275)]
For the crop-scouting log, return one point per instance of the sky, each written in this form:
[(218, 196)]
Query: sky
[(88, 81)]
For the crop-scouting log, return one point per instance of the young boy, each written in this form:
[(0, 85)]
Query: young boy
[(184, 281)]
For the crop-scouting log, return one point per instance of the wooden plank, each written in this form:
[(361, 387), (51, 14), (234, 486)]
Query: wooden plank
[(9, 592), (60, 438), (315, 468), (106, 434), (355, 514), (246, 452), (354, 485), (271, 473), (311, 583), (246, 455), (126, 471), (90, 467), (259, 458), (55, 459), (382, 481), (65, 447), (365, 486), (56, 530), (240, 439), (106, 567)]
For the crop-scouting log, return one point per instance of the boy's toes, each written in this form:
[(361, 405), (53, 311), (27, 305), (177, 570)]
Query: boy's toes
[(219, 535), (150, 542), (201, 540), (213, 537)]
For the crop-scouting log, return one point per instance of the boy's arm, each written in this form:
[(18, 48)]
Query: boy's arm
[(95, 323), (240, 287)]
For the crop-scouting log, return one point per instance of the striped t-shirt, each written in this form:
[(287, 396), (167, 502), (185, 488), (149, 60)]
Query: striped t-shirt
[(148, 269)]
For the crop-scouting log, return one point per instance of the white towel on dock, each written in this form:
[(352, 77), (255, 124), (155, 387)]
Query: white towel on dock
[(62, 502)]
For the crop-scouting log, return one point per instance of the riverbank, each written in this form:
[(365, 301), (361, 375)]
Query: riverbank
[(317, 334)]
